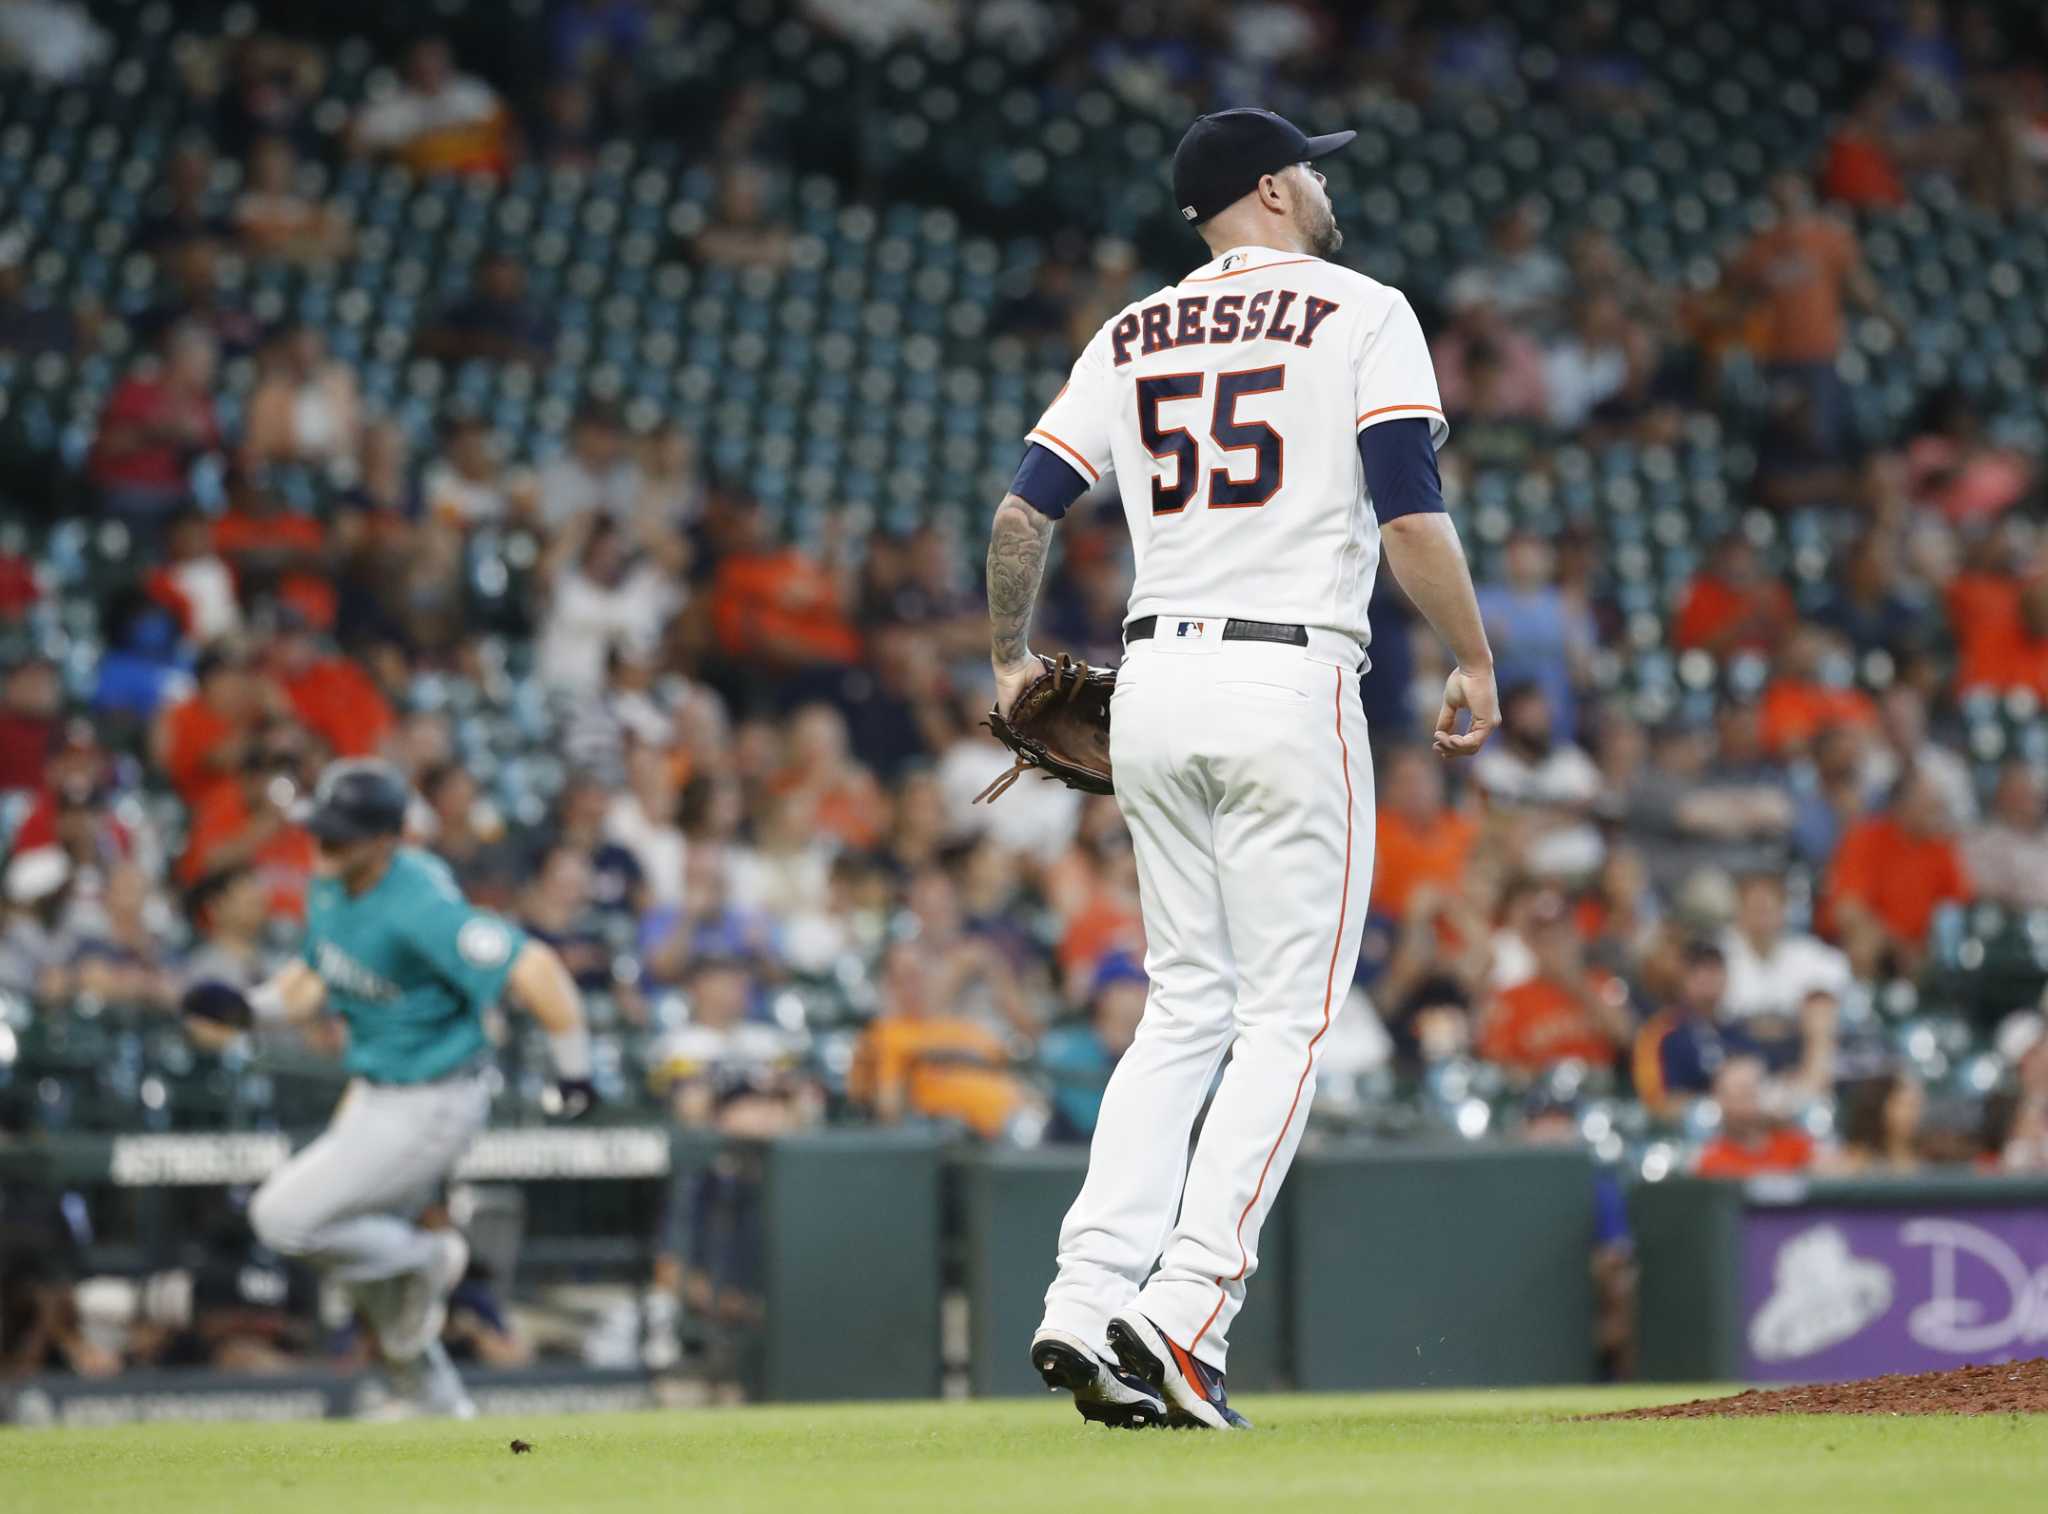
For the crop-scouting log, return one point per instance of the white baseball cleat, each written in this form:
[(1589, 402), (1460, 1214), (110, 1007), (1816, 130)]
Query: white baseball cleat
[(423, 1299), (1103, 1393), (425, 1387), (1193, 1389)]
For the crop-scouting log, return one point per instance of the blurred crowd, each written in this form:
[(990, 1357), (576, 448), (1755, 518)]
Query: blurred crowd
[(765, 749)]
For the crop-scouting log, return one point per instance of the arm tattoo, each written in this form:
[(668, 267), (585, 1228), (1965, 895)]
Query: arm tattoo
[(1016, 561)]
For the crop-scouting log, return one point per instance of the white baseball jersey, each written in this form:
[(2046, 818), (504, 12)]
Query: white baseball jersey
[(1228, 406)]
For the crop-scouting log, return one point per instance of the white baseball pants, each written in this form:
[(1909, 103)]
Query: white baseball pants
[(1243, 773), (346, 1202)]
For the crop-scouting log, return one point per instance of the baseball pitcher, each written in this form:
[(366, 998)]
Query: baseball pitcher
[(1272, 421), (393, 947)]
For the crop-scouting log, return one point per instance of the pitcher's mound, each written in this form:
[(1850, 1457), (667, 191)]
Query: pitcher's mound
[(2008, 1388)]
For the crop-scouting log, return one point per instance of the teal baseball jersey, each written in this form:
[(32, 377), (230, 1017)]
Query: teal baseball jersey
[(411, 965)]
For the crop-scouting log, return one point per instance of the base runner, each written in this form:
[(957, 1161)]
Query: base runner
[(1272, 421), (393, 947)]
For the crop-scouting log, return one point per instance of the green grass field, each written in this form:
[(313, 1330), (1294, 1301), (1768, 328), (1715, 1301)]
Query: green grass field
[(1430, 1453)]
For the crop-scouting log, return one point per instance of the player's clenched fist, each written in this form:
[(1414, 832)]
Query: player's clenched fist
[(1474, 692)]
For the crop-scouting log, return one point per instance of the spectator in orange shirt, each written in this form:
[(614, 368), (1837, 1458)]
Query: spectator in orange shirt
[(1421, 838), (1809, 691), (1891, 873), (1752, 1140), (1734, 604), (1859, 168), (274, 551), (919, 1060), (1998, 610), (201, 741), (247, 822), (1566, 1011), (331, 693), (437, 120), (1798, 273), (834, 794), (777, 612)]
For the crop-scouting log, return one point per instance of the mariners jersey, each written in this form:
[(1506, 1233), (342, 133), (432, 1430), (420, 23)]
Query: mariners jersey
[(1228, 406), (411, 965)]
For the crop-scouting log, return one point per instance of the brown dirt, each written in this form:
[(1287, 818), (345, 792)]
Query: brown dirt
[(2008, 1388)]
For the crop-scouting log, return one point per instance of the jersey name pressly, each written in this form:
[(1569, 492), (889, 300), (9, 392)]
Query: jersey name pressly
[(1228, 406)]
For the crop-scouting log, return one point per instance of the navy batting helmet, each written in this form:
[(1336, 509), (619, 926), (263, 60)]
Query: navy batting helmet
[(356, 800)]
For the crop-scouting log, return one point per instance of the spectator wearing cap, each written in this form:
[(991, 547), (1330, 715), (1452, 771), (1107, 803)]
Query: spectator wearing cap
[(2007, 856), (1078, 1059), (436, 120), (497, 321), (1531, 770), (1681, 1048), (37, 942), (1752, 1141), (1565, 1011), (74, 811), (202, 740), (157, 423), (1734, 604), (1422, 839), (1894, 869)]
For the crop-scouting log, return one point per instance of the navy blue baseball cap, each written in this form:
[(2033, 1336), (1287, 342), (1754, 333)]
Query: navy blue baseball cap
[(356, 800), (1225, 154)]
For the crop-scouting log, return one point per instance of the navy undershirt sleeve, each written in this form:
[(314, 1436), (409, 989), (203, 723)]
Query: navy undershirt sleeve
[(1400, 468), (1047, 482)]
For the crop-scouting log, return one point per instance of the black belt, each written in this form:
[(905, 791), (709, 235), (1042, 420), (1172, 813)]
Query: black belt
[(1145, 626)]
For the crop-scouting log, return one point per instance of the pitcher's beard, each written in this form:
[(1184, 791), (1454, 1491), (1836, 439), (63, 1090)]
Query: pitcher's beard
[(1324, 238)]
